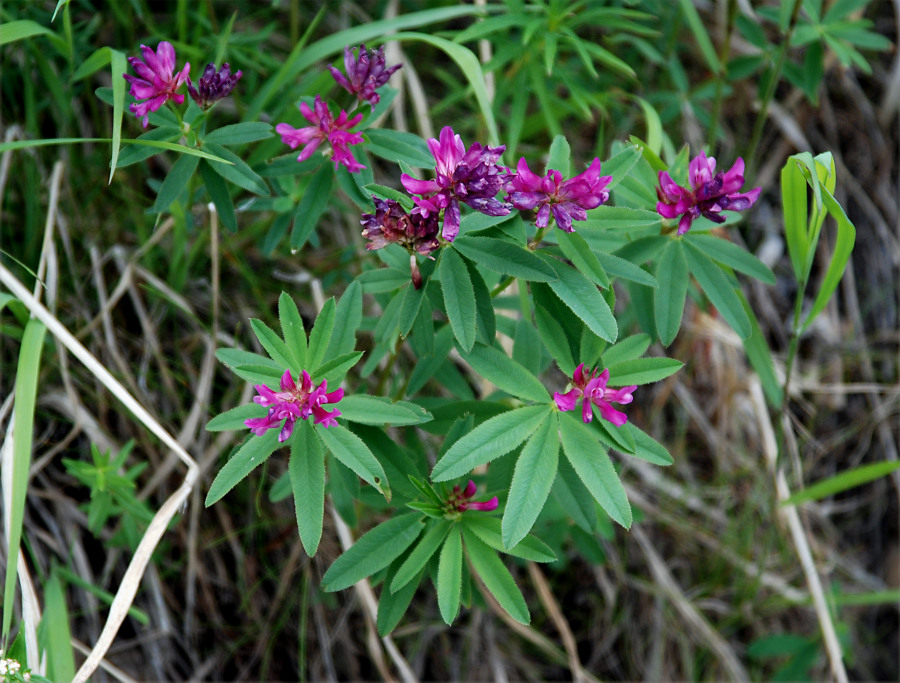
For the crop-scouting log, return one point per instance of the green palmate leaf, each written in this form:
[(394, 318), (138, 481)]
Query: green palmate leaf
[(424, 550), (449, 578), (274, 346), (843, 481), (311, 206), (488, 529), (607, 217), (581, 256), (496, 577), (392, 606), (26, 380), (409, 309), (215, 186), (372, 552), (647, 448), (560, 156), (498, 368), (584, 299), (730, 254), (622, 268), (595, 469), (490, 440), (625, 349), (350, 450), (527, 346), (176, 182), (347, 319), (237, 358), (668, 302), (383, 280), (428, 365), (320, 335), (846, 237), (485, 319), (718, 289), (384, 192), (292, 328), (504, 257), (612, 436), (135, 153), (531, 482), (574, 498), (237, 171), (459, 297), (548, 329), (306, 469), (234, 418), (253, 452), (395, 145), (619, 164), (377, 410), (642, 371), (240, 133)]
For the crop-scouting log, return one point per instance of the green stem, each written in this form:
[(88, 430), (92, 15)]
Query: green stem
[(770, 90), (720, 81)]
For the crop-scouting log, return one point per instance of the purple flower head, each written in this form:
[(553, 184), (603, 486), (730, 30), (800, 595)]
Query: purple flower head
[(567, 200), (367, 73), (591, 388), (292, 402), (324, 128), (460, 500), (471, 176), (415, 231), (710, 193), (155, 82), (214, 85)]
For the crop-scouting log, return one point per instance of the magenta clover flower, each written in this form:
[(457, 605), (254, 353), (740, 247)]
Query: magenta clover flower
[(292, 402), (324, 127), (471, 176), (459, 500), (591, 388), (710, 193), (155, 82), (415, 231), (567, 200), (367, 73), (214, 85)]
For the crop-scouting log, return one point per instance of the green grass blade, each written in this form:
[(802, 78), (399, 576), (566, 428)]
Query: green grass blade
[(117, 66), (843, 481), (55, 636)]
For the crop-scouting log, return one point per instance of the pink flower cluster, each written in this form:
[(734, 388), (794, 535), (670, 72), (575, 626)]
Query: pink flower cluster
[(155, 82), (710, 193), (294, 402), (460, 500), (591, 389), (366, 73), (325, 127)]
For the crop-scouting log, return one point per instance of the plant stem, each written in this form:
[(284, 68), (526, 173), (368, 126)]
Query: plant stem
[(770, 89)]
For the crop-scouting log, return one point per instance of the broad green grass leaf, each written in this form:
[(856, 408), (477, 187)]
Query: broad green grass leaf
[(730, 254), (845, 480), (504, 257), (548, 329), (701, 36), (395, 145), (234, 418), (274, 346), (55, 635), (176, 182), (560, 158), (218, 192), (501, 370), (491, 439), (158, 144), (134, 153), (378, 410), (306, 469), (320, 335), (668, 300), (240, 133), (489, 530), (26, 380), (425, 548), (13, 31), (496, 577), (293, 330), (252, 453), (584, 299), (794, 204), (373, 551), (642, 371), (595, 469), (718, 289), (654, 125), (117, 66), (459, 297), (449, 578), (760, 356), (534, 475), (353, 452)]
